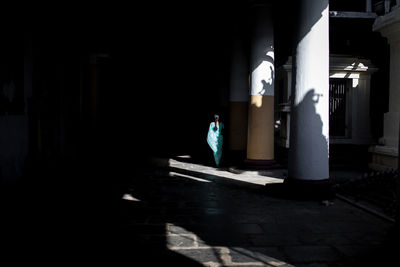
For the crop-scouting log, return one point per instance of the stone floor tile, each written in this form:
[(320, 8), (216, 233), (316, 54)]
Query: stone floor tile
[(311, 254), (181, 241), (201, 255)]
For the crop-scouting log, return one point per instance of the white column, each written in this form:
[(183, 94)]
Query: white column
[(260, 144), (238, 97), (309, 128), (389, 27)]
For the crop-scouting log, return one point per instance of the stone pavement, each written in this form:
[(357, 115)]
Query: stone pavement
[(187, 214)]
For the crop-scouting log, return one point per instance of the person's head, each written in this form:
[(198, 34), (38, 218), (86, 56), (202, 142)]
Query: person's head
[(216, 117)]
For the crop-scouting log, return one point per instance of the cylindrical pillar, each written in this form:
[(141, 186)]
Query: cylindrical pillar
[(389, 27), (260, 142), (238, 97), (309, 127)]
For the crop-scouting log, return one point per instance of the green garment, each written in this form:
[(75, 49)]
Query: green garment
[(215, 140)]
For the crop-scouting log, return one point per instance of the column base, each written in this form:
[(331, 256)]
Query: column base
[(260, 164), (384, 158), (310, 189)]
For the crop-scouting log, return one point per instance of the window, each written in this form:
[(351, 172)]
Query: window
[(338, 89)]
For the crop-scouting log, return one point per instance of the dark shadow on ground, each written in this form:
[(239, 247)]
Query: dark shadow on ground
[(74, 212), (220, 213), (69, 220), (275, 190)]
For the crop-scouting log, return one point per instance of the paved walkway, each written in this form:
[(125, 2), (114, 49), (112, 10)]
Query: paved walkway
[(193, 215)]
